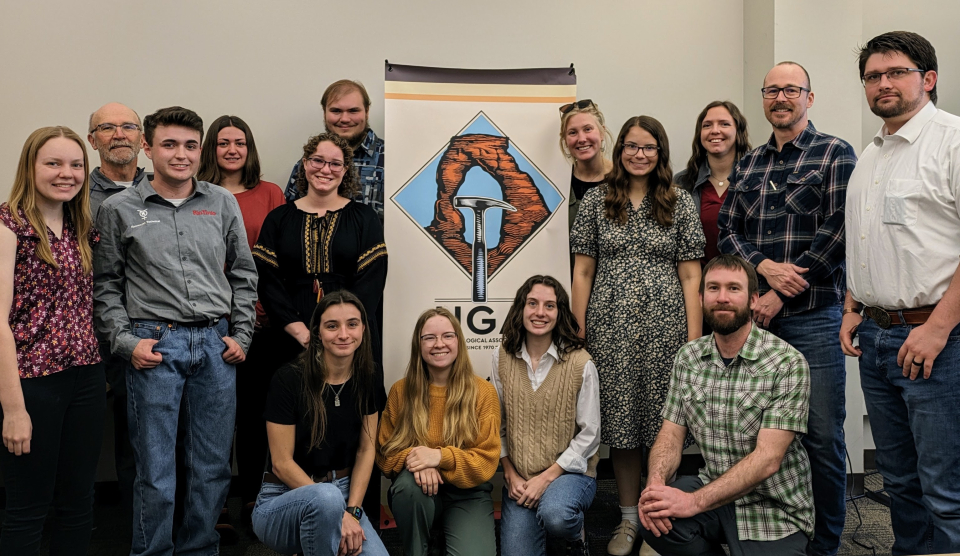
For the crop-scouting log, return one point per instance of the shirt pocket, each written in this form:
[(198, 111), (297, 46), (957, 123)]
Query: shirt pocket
[(803, 193), (695, 402), (750, 408), (901, 202)]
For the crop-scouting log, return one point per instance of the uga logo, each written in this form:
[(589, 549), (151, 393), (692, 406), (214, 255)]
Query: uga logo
[(480, 199)]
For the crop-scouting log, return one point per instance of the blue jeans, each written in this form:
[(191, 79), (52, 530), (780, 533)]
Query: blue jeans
[(816, 334), (916, 428), (192, 369), (523, 531), (307, 520)]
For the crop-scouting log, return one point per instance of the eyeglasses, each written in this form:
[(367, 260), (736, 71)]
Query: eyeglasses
[(896, 74), (788, 92), (112, 128), (630, 149), (318, 163), (579, 105), (446, 337)]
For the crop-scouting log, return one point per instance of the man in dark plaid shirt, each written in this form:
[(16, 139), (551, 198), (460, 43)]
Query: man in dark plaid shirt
[(346, 112), (784, 214), (743, 393)]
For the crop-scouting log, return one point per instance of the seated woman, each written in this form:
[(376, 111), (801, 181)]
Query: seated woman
[(550, 414), (321, 421), (439, 443)]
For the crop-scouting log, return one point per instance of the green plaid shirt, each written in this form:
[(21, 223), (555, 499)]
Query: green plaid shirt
[(767, 386)]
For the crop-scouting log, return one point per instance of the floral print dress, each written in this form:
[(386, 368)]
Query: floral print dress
[(636, 320)]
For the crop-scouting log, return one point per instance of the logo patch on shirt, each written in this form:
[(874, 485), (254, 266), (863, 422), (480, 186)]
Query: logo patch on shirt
[(204, 213), (143, 215)]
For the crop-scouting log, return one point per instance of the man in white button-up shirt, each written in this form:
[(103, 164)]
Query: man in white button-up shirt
[(903, 252)]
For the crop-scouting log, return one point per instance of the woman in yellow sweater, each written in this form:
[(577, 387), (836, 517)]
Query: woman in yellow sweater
[(439, 441)]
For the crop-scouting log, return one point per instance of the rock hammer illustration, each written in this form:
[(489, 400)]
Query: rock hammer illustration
[(479, 205)]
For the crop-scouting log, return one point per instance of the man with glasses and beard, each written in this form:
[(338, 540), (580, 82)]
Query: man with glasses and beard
[(903, 221), (743, 394), (116, 134), (346, 112), (784, 215)]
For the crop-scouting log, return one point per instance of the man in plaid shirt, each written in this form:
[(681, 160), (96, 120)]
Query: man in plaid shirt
[(784, 214), (743, 393)]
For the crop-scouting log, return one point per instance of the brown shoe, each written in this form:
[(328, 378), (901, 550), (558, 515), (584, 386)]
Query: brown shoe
[(647, 550), (624, 536)]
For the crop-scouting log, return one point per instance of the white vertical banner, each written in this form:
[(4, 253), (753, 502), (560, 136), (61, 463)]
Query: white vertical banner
[(476, 198)]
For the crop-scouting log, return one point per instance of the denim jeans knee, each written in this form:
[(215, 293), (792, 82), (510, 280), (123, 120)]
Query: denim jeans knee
[(560, 514)]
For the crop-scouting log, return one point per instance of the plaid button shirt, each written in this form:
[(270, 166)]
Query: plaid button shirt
[(787, 206), (767, 386), (368, 158)]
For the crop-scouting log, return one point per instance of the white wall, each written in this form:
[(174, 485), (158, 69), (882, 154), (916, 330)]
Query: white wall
[(269, 62)]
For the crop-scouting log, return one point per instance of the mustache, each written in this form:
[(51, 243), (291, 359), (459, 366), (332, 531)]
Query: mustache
[(782, 106), (120, 144)]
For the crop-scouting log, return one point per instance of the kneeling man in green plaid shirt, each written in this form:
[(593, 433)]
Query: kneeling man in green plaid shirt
[(744, 395)]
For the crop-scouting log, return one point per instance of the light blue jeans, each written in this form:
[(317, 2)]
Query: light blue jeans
[(523, 531), (916, 427), (307, 520), (193, 370)]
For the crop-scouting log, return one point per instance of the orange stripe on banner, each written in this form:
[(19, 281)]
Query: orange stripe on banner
[(471, 98)]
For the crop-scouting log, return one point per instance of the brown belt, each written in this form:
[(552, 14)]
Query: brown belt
[(886, 319), (330, 476)]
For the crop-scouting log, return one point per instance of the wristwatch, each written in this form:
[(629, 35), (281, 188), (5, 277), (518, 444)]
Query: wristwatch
[(355, 511)]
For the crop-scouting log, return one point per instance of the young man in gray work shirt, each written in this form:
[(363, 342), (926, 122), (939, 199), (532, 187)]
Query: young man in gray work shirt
[(174, 291)]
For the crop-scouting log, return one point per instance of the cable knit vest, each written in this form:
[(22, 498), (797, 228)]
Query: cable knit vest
[(541, 424)]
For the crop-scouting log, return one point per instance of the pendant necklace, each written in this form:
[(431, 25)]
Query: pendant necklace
[(336, 394)]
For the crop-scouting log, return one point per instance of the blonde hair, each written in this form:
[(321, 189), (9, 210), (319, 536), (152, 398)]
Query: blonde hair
[(23, 196), (460, 425), (593, 110)]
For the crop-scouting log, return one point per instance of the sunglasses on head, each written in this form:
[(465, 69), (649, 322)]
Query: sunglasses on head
[(579, 105)]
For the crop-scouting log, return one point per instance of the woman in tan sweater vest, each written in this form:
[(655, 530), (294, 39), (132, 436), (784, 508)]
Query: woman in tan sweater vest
[(439, 442), (550, 415)]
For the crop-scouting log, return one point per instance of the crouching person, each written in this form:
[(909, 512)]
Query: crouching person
[(744, 395), (550, 415)]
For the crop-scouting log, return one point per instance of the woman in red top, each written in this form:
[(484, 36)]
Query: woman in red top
[(229, 159), (52, 386)]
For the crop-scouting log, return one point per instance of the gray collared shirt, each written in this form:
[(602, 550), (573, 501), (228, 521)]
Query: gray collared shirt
[(156, 261)]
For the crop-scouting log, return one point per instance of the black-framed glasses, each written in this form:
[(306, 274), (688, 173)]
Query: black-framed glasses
[(318, 163), (896, 74), (788, 92), (631, 149), (579, 105), (126, 128)]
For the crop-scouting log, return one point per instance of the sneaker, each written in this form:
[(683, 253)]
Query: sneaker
[(623, 538), (579, 547)]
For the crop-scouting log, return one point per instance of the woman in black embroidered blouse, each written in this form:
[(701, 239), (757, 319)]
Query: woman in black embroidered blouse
[(321, 243)]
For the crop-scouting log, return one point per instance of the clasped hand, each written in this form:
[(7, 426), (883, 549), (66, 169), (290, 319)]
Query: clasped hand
[(659, 504)]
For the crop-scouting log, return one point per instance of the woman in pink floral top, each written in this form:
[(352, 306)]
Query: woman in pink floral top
[(52, 388)]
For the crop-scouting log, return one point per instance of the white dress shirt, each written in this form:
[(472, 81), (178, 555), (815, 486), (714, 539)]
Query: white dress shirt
[(587, 441), (903, 213)]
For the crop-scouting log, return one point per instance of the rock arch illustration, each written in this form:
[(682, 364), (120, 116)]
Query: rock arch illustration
[(489, 152)]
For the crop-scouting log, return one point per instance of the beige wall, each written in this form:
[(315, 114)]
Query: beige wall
[(268, 62)]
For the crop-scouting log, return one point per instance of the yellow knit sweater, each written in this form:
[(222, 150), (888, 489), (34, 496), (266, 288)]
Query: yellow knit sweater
[(464, 467)]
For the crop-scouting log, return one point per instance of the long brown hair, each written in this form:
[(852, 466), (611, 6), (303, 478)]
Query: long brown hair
[(564, 334), (23, 196), (349, 183), (315, 372), (660, 189), (741, 144), (460, 424), (209, 169)]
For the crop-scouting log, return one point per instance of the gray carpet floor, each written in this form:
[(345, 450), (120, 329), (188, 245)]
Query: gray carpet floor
[(868, 523)]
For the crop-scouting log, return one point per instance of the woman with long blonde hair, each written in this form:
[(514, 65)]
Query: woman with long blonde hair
[(52, 385), (439, 441)]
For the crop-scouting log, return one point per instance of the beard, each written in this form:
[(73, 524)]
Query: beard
[(119, 158), (896, 109), (724, 326), (783, 124), (355, 138)]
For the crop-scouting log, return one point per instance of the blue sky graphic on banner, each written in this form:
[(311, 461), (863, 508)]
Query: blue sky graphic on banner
[(418, 197)]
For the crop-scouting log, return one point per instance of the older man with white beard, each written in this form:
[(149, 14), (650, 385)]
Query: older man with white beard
[(116, 134)]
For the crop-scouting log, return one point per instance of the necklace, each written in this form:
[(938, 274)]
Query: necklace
[(719, 181), (336, 394)]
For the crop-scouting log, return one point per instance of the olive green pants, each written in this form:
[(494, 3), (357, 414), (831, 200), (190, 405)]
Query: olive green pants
[(467, 515)]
